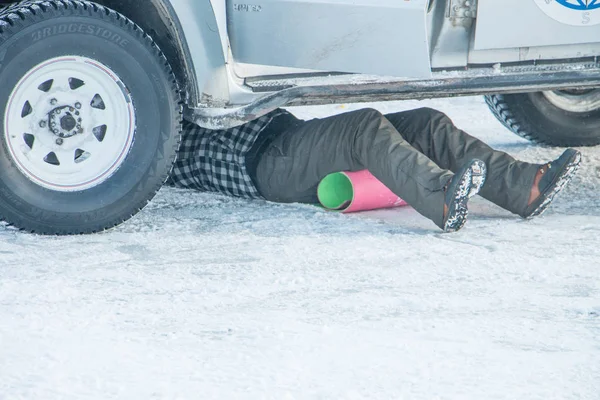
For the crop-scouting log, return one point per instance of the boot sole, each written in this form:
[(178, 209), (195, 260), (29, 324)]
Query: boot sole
[(479, 171), (469, 185)]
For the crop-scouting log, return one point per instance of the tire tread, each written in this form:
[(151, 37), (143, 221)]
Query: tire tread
[(31, 11), (516, 121)]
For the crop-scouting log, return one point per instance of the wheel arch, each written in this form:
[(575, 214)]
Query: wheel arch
[(174, 25)]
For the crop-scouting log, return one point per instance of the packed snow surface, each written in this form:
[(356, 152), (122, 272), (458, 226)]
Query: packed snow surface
[(206, 297)]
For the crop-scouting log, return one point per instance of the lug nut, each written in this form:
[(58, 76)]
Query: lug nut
[(43, 124), (71, 109), (77, 113), (78, 105), (53, 102), (59, 141)]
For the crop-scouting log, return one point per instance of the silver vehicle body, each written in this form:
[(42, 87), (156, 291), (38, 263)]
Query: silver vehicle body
[(241, 59)]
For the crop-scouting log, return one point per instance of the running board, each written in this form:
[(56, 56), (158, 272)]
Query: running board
[(513, 79)]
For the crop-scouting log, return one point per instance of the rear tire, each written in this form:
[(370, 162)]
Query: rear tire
[(91, 117), (551, 118)]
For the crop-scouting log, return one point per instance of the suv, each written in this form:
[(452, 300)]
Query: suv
[(93, 93)]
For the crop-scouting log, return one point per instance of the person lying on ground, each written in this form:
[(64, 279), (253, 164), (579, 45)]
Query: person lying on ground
[(419, 155)]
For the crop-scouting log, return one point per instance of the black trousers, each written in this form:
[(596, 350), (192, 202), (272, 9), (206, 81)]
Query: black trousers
[(413, 153)]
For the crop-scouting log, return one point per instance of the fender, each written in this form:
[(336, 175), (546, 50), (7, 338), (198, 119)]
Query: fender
[(188, 34)]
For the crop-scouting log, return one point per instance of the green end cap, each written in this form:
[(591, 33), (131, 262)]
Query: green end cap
[(335, 192)]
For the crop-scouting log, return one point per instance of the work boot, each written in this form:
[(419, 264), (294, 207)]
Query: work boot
[(466, 183), (550, 180)]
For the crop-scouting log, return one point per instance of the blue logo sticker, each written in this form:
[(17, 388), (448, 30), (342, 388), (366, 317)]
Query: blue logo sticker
[(581, 5), (583, 13)]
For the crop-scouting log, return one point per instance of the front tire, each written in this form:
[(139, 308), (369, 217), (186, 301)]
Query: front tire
[(562, 118), (91, 117)]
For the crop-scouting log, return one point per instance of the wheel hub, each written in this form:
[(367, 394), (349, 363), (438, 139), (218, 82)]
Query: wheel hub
[(64, 122), (573, 100), (69, 124)]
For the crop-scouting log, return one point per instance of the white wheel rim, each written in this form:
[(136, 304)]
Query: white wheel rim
[(39, 124), (587, 101)]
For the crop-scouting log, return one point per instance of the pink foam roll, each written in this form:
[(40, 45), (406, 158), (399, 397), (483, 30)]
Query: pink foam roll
[(356, 191)]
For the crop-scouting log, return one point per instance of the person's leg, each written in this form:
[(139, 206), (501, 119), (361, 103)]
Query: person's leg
[(294, 164), (509, 182)]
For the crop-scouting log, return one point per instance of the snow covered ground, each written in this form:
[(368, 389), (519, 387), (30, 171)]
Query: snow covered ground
[(206, 297)]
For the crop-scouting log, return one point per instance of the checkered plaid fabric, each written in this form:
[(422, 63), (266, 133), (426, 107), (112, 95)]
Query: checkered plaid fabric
[(215, 160)]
